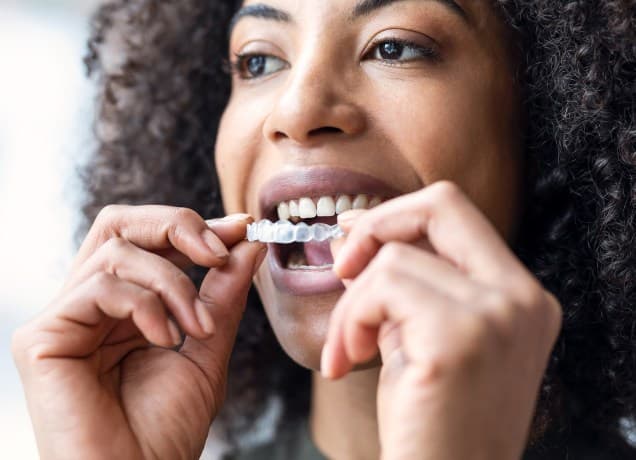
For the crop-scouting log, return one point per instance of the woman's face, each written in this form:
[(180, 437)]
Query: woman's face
[(349, 97)]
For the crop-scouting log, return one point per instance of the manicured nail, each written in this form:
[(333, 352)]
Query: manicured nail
[(204, 317), (337, 263), (349, 216), (215, 245), (325, 364), (174, 332), (238, 217)]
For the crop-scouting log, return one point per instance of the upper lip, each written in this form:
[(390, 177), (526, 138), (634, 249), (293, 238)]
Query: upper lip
[(319, 181)]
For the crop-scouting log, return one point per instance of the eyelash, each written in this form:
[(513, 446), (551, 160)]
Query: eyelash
[(426, 52), (237, 65)]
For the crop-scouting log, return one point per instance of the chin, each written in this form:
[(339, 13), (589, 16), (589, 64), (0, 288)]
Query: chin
[(300, 323)]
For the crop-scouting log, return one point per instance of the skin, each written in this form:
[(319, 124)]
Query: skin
[(471, 135), (95, 363), (468, 101), (433, 291)]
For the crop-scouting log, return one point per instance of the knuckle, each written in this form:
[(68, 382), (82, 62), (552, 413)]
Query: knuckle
[(390, 255), (115, 245), (111, 252), (144, 298), (176, 228), (379, 275), (496, 300), (501, 315), (368, 226), (538, 307), (475, 333), (184, 214), (109, 213), (100, 281), (435, 366), (384, 278), (446, 191), (531, 294)]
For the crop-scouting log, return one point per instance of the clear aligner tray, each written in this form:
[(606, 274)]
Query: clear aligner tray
[(284, 232)]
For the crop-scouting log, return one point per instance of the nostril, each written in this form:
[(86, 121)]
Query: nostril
[(280, 135), (325, 130)]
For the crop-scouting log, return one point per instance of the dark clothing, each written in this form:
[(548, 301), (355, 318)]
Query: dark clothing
[(293, 444), (581, 446), (296, 444)]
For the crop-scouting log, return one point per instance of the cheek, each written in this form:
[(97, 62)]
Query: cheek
[(438, 134), (233, 156), (465, 133)]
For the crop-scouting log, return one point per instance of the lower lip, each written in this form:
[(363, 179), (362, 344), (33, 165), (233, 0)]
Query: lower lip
[(301, 282)]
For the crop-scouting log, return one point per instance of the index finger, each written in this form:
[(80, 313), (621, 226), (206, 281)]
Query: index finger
[(441, 213), (159, 229), (230, 229)]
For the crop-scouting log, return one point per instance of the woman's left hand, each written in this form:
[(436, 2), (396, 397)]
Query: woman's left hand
[(463, 328)]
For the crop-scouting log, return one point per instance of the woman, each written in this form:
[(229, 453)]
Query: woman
[(488, 309)]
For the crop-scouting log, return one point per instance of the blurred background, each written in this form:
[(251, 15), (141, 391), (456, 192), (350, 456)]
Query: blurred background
[(46, 109)]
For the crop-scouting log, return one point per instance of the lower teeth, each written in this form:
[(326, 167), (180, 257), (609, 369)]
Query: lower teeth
[(297, 261)]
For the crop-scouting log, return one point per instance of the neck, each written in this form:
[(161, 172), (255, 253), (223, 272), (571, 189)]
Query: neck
[(343, 419)]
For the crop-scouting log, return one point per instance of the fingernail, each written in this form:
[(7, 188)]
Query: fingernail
[(215, 245), (337, 263), (174, 332), (349, 216), (347, 219), (325, 370), (238, 217), (259, 259), (204, 317)]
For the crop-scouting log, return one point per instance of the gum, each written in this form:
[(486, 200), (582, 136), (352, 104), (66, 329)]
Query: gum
[(284, 232)]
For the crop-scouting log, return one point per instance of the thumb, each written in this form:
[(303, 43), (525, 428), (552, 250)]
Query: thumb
[(224, 293)]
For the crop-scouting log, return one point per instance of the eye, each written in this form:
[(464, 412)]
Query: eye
[(249, 66), (399, 51)]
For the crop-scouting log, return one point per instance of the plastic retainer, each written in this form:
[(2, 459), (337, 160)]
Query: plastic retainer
[(284, 232)]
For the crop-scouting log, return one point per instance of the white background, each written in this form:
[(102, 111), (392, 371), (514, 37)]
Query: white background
[(45, 116)]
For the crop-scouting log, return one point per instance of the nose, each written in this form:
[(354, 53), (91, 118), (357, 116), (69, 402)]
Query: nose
[(313, 103)]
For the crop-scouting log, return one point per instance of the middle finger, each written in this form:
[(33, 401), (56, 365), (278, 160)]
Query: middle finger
[(126, 261)]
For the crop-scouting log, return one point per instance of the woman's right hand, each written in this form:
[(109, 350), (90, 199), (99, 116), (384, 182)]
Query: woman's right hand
[(100, 377)]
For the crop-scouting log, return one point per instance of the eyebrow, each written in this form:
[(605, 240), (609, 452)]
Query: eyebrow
[(366, 7), (362, 8), (259, 10)]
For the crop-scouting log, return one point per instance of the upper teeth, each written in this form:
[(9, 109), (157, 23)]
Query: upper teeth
[(308, 208)]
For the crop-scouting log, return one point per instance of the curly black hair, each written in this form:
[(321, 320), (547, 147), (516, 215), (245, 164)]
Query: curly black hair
[(162, 88)]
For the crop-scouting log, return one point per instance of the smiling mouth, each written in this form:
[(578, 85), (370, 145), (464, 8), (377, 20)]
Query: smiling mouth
[(314, 195), (315, 255)]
